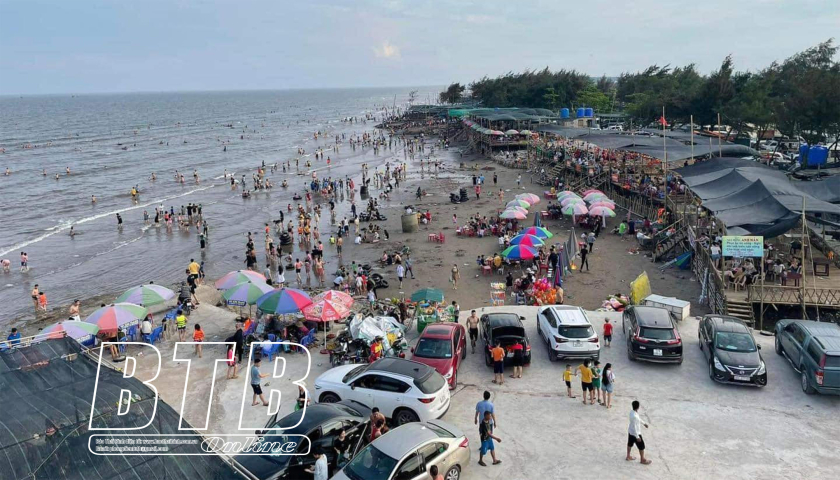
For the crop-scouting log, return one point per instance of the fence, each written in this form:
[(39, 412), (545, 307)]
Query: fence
[(712, 285)]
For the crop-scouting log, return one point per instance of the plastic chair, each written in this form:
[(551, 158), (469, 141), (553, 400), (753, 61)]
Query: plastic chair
[(154, 336), (121, 346), (441, 238), (132, 332)]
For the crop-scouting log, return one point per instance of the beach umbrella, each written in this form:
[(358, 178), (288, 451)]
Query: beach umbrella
[(575, 209), (603, 203), (245, 293), (537, 231), (336, 297), (325, 311), (527, 240), (496, 132), (601, 212), (511, 132), (239, 276), (518, 209), (518, 203), (567, 193), (147, 295), (529, 197), (283, 300), (513, 214), (525, 132), (591, 190), (570, 201), (595, 196), (112, 317), (427, 295), (519, 252), (80, 331)]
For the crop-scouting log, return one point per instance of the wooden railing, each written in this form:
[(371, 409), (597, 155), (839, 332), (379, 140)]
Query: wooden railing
[(792, 295), (711, 282)]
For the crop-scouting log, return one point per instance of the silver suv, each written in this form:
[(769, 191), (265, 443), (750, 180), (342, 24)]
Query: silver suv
[(568, 333)]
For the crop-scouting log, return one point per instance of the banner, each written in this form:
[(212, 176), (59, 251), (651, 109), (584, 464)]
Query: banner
[(743, 246)]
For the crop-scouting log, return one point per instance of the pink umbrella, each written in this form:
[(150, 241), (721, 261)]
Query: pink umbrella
[(566, 193), (601, 212), (518, 209), (570, 200), (325, 311), (239, 276), (335, 296), (529, 197), (575, 209), (591, 190), (513, 214), (603, 203), (595, 196)]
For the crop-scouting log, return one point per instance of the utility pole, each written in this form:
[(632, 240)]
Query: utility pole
[(802, 244)]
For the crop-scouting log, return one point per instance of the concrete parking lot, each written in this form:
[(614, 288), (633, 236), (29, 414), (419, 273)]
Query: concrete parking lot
[(698, 429)]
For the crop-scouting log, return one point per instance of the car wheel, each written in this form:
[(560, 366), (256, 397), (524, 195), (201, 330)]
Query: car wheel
[(699, 340), (454, 473), (806, 385), (539, 330), (712, 370), (778, 346), (454, 379), (464, 352), (329, 397), (404, 416), (630, 354), (552, 357), (488, 360)]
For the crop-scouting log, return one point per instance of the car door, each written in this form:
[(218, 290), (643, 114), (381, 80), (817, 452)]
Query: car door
[(301, 460), (329, 432), (706, 335), (362, 390), (457, 348), (797, 343), (434, 454), (411, 468), (389, 394)]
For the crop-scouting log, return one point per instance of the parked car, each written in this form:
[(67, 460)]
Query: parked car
[(731, 351), (442, 346), (567, 333), (407, 453), (651, 335), (505, 328), (321, 423), (403, 390), (813, 348)]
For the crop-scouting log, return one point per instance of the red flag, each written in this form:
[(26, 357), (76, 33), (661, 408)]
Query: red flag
[(662, 121)]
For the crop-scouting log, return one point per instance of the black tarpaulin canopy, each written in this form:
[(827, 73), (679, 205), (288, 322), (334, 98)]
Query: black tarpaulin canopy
[(50, 384)]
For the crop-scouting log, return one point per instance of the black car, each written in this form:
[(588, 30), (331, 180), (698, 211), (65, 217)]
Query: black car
[(321, 424), (651, 335), (731, 351), (507, 329)]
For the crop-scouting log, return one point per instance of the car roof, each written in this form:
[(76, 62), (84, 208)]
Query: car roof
[(313, 416), (502, 320), (822, 329), (568, 315), (401, 366), (439, 330), (404, 439), (725, 323), (831, 344), (653, 317)]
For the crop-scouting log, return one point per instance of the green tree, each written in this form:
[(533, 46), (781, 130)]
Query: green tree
[(592, 97), (453, 94)]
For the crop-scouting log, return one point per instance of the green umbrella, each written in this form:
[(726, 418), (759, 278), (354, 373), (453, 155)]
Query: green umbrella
[(427, 295), (246, 293), (147, 295)]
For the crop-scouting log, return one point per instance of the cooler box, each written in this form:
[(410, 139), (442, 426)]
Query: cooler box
[(680, 309)]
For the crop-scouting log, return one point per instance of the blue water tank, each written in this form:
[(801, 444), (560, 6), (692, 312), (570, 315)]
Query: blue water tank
[(588, 113), (818, 155), (579, 113), (803, 153), (564, 113)]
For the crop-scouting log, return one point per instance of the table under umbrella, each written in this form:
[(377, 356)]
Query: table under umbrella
[(325, 311)]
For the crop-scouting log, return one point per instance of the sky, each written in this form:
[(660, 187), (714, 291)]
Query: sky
[(100, 46)]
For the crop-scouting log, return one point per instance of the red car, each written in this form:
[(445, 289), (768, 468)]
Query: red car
[(442, 346)]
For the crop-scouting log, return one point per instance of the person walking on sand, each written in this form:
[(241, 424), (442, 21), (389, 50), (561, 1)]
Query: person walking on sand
[(485, 432), (607, 383), (455, 276), (608, 329), (567, 377), (400, 274), (584, 252), (198, 336), (34, 294), (498, 355), (472, 326), (485, 406), (181, 325), (256, 376), (518, 180), (634, 435), (231, 362), (586, 382), (408, 265)]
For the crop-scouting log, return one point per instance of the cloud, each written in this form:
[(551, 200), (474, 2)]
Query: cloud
[(386, 50)]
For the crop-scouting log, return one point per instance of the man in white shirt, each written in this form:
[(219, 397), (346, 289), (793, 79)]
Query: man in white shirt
[(634, 435), (319, 469)]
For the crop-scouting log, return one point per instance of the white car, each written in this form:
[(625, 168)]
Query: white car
[(403, 390), (568, 333)]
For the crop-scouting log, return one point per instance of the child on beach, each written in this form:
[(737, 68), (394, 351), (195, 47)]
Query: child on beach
[(608, 328), (198, 336), (42, 301), (231, 361), (567, 377)]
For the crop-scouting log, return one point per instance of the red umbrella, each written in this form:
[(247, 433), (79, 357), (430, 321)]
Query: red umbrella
[(324, 311), (335, 296)]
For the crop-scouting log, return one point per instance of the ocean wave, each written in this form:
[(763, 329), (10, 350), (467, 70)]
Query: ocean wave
[(65, 225)]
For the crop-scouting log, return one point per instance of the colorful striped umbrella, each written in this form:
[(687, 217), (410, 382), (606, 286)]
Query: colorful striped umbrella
[(570, 200), (601, 212), (519, 252), (325, 311), (529, 197), (246, 293), (147, 295), (567, 193), (518, 209), (591, 190), (575, 209), (518, 203), (527, 240), (283, 300), (603, 203), (537, 231), (513, 214), (112, 317), (80, 331), (239, 276), (594, 197), (335, 296)]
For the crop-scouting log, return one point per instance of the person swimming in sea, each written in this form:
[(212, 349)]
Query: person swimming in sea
[(93, 199)]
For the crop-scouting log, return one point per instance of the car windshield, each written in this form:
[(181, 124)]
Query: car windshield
[(734, 342), (656, 333), (353, 373), (433, 348), (370, 464), (575, 332)]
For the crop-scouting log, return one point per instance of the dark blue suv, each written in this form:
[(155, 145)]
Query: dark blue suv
[(813, 348)]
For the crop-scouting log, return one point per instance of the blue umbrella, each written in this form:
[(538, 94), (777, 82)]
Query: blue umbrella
[(283, 300)]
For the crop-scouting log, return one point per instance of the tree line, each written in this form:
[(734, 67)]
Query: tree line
[(799, 96)]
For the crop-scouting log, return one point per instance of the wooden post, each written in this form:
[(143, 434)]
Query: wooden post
[(720, 154), (802, 244)]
